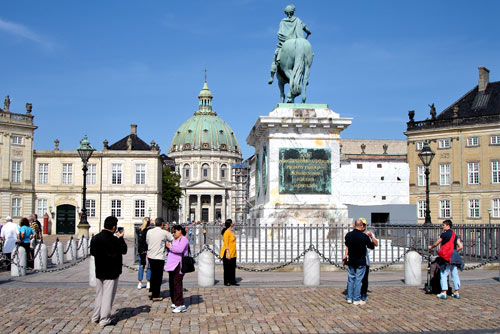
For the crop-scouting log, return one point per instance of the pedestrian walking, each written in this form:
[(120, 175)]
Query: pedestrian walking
[(177, 249), (107, 250), (357, 243), (9, 235), (228, 253), (142, 250), (156, 239), (26, 233), (449, 259)]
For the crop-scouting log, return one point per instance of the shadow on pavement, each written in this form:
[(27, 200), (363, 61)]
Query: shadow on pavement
[(129, 312), (194, 300)]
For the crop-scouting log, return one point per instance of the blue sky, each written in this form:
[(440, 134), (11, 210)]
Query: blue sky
[(94, 67)]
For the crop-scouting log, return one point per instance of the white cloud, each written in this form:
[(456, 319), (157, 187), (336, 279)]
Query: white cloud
[(24, 32)]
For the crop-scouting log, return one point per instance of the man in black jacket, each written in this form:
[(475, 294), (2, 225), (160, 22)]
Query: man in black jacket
[(107, 250), (356, 242)]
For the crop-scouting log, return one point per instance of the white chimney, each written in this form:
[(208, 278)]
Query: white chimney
[(133, 129), (484, 78)]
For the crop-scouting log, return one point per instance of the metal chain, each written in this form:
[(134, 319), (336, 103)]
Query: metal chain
[(55, 248), (69, 246), (81, 243)]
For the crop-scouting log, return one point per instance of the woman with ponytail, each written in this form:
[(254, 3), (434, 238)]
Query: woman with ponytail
[(228, 253)]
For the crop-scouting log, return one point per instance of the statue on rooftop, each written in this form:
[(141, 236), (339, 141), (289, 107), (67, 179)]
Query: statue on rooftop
[(293, 57), (6, 103)]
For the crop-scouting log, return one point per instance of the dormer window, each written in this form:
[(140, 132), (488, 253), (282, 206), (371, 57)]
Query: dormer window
[(205, 145), (187, 146), (223, 146)]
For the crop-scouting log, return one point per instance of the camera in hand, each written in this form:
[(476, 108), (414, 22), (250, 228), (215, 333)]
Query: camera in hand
[(120, 230)]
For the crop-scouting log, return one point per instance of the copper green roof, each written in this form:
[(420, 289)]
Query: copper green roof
[(204, 131)]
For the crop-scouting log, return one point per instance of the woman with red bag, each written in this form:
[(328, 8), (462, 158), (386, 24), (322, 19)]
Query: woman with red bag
[(449, 243)]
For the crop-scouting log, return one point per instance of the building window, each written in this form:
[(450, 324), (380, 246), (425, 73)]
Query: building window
[(419, 145), (41, 207), (186, 171), (17, 140), (140, 175), (67, 173), (16, 207), (205, 170), (472, 141), (495, 207), (379, 165), (223, 172), (495, 140), (444, 174), (474, 208), (473, 172), (16, 171), (43, 173), (495, 171), (116, 208), (116, 173), (445, 208), (90, 206), (91, 174), (421, 176), (140, 208), (444, 143), (421, 209)]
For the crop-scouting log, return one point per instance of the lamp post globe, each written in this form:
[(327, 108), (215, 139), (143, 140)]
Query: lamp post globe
[(426, 155), (85, 151)]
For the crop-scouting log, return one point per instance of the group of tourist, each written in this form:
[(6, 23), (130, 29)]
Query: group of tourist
[(26, 234), (359, 241), (159, 249)]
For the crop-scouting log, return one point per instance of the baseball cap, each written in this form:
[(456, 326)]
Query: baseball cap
[(363, 220)]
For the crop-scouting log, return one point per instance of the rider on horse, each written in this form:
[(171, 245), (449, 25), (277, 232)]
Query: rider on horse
[(290, 27)]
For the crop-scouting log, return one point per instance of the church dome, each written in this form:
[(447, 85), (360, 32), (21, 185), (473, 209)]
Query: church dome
[(204, 131)]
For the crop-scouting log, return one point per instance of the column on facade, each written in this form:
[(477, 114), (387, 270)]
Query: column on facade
[(223, 208), (186, 209), (198, 208), (211, 209)]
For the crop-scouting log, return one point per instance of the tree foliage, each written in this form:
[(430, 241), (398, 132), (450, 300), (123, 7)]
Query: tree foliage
[(171, 191)]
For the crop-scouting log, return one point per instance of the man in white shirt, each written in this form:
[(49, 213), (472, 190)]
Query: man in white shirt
[(9, 235), (156, 239)]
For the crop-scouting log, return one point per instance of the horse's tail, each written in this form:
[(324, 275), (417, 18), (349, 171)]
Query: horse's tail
[(298, 68)]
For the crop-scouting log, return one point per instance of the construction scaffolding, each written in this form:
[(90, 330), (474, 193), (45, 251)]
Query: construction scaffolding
[(240, 186)]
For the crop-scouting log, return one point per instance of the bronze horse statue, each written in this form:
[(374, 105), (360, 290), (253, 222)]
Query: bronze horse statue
[(295, 62)]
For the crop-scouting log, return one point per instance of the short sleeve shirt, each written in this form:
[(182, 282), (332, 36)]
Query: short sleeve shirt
[(446, 236)]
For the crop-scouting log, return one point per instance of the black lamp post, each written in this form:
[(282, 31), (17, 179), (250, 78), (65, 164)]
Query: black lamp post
[(426, 155), (85, 151)]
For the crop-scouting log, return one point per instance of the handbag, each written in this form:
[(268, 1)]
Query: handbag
[(188, 262)]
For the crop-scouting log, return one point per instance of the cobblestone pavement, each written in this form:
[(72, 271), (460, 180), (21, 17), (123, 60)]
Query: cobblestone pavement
[(275, 302), (254, 310)]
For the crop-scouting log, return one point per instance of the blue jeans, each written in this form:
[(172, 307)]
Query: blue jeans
[(140, 275), (454, 277), (354, 278)]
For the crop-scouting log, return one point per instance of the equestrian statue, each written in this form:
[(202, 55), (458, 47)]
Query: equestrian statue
[(292, 58)]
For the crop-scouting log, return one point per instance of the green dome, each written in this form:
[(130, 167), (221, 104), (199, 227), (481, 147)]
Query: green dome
[(204, 131)]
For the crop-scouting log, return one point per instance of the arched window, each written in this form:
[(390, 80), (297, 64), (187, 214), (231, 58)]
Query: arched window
[(223, 172), (186, 172), (205, 171)]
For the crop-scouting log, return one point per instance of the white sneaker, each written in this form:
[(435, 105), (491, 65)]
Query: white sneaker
[(173, 306), (147, 285), (349, 301), (179, 309), (359, 302), (139, 286)]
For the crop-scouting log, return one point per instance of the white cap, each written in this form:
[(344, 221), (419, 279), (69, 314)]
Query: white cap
[(8, 219)]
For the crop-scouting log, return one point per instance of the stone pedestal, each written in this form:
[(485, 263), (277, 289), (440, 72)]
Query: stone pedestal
[(297, 161), (413, 269), (206, 269)]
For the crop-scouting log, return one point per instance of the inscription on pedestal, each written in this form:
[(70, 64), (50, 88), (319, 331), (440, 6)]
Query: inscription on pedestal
[(305, 171)]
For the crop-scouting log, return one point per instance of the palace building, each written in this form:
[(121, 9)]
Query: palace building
[(465, 172)]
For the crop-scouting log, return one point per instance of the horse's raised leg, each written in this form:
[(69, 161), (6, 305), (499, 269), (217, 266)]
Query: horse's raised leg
[(305, 80)]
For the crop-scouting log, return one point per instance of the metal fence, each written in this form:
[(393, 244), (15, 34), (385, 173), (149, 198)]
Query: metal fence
[(278, 244)]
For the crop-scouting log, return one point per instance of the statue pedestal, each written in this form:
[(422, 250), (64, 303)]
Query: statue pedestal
[(297, 161)]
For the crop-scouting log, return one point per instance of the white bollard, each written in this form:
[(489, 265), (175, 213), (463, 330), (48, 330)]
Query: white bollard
[(71, 250), (58, 256), (413, 268), (92, 271), (85, 247), (312, 269), (40, 261), (206, 269), (18, 262)]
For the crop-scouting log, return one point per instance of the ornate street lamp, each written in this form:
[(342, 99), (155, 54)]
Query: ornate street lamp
[(85, 150), (426, 155)]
